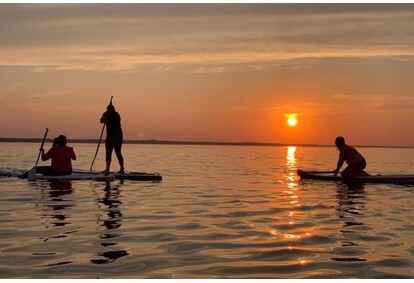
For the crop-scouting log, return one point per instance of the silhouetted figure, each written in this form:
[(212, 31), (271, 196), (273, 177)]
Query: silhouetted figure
[(114, 137), (58, 204), (61, 156), (356, 162), (112, 223)]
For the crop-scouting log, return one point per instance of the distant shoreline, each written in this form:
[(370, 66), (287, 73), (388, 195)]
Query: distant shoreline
[(166, 142)]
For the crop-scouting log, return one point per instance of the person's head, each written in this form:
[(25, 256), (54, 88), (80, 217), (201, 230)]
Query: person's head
[(61, 140), (339, 142), (55, 142), (110, 107)]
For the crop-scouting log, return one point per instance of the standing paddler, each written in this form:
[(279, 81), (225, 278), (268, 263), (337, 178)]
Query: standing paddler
[(114, 137)]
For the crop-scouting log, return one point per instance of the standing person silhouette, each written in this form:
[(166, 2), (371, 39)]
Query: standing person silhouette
[(114, 137)]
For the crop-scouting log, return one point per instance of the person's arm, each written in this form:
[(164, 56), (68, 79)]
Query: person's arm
[(73, 154), (103, 118), (46, 156), (341, 161)]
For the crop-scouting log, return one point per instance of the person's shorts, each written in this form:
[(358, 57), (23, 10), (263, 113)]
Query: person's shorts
[(48, 171), (359, 166)]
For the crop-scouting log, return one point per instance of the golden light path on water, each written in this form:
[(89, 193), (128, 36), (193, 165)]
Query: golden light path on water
[(293, 193)]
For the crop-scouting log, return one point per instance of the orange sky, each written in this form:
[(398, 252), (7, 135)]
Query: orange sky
[(210, 72)]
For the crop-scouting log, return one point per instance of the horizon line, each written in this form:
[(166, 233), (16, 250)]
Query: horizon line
[(172, 142)]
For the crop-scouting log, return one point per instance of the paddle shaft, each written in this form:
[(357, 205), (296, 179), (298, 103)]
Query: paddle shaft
[(100, 139), (43, 143)]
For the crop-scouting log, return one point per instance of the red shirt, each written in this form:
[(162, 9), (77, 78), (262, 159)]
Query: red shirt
[(61, 158)]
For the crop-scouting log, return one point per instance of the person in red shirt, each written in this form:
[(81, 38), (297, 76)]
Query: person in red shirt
[(356, 162), (61, 156)]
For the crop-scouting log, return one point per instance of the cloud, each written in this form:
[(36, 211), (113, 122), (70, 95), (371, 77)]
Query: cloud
[(161, 69), (347, 104), (381, 98), (214, 70), (363, 97), (396, 106), (47, 95), (302, 109), (217, 37), (377, 102)]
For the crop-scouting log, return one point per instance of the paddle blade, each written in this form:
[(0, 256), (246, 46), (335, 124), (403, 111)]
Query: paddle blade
[(31, 174)]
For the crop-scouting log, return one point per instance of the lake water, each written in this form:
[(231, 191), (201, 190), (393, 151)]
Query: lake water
[(220, 212)]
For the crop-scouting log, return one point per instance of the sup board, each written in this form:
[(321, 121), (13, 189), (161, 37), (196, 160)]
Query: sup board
[(137, 176), (85, 175), (380, 179)]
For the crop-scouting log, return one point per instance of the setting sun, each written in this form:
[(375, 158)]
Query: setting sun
[(291, 120)]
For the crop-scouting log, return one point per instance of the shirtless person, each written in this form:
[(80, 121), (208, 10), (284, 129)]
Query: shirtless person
[(356, 162)]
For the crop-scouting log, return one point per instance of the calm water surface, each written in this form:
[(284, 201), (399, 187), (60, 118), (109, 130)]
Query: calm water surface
[(220, 212)]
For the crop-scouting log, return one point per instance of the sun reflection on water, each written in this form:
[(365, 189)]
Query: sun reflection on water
[(291, 177), (292, 193), (290, 157)]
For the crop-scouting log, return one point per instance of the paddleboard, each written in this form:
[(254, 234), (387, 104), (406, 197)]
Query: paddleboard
[(380, 179), (85, 175)]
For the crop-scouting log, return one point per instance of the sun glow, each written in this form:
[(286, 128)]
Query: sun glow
[(291, 120)]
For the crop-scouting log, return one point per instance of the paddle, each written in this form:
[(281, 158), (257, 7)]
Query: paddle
[(32, 172), (99, 143)]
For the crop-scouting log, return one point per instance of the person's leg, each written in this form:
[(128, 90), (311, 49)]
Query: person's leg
[(347, 172), (45, 170), (118, 153), (354, 169), (359, 168), (109, 148), (363, 165)]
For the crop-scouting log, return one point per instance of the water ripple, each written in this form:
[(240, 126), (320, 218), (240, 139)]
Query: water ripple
[(220, 212)]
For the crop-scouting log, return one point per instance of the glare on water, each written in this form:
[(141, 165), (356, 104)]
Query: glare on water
[(220, 212)]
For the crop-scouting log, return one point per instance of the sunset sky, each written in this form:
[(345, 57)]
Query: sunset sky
[(210, 72)]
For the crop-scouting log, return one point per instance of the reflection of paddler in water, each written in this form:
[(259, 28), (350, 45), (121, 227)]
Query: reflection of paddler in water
[(113, 222), (351, 198), (351, 209), (111, 200), (57, 201)]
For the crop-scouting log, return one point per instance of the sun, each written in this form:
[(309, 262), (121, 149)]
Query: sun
[(291, 120)]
